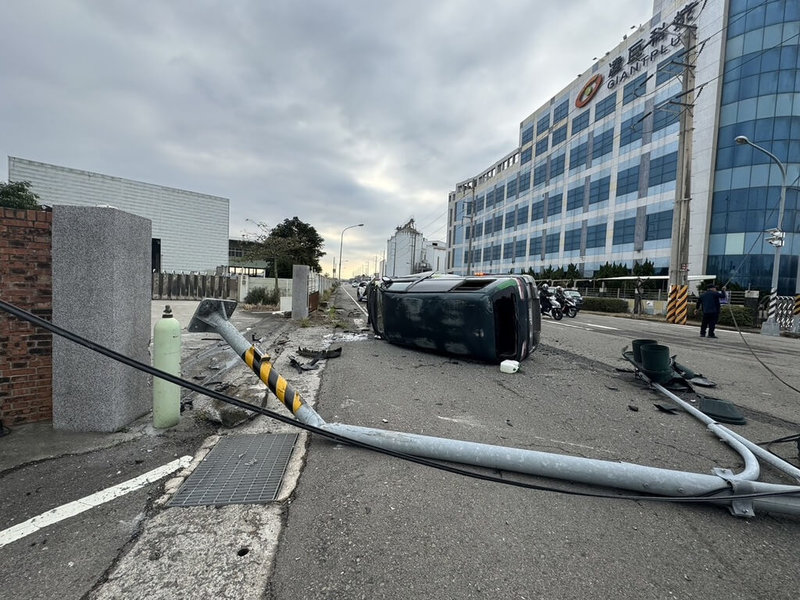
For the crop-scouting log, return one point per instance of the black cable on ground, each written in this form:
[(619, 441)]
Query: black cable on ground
[(722, 494)]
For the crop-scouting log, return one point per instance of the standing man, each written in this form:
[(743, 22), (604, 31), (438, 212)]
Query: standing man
[(638, 292), (708, 302)]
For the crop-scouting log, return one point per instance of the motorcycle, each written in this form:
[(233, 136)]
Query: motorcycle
[(551, 306), (569, 307)]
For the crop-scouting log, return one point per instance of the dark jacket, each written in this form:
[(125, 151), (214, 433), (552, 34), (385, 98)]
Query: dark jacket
[(709, 301)]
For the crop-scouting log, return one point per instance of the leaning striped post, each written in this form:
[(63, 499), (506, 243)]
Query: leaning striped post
[(212, 315)]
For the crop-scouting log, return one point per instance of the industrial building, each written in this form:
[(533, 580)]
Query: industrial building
[(637, 159), (190, 230), (408, 252)]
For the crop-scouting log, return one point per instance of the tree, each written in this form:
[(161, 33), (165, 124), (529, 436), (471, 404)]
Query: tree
[(292, 242), (17, 194), (612, 270), (645, 268)]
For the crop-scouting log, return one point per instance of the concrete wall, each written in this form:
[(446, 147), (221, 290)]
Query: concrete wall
[(25, 351), (192, 227), (101, 291)]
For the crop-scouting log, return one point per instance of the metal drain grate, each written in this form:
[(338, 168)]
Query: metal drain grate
[(240, 469)]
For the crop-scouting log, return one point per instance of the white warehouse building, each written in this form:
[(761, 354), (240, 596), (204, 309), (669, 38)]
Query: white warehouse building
[(190, 230)]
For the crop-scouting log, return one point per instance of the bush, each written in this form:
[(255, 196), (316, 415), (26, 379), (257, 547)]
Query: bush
[(609, 305), (262, 296), (742, 314)]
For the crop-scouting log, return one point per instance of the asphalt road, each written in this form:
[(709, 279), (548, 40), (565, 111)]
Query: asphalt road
[(362, 525)]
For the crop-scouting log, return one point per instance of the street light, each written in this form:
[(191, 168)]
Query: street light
[(341, 241), (771, 327)]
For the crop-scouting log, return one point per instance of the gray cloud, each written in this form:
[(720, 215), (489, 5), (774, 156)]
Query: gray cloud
[(335, 112)]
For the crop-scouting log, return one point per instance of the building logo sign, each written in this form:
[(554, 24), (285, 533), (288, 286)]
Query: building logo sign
[(589, 90), (662, 41)]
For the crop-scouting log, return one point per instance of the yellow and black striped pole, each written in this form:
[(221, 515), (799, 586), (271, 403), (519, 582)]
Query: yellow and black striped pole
[(671, 304), (261, 366), (212, 315), (796, 312), (678, 304)]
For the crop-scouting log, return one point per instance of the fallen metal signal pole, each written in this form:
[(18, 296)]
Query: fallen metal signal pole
[(212, 316)]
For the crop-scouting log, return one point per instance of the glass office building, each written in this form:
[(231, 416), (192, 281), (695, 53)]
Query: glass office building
[(594, 177)]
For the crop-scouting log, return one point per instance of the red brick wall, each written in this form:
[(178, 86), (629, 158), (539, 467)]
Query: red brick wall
[(26, 374)]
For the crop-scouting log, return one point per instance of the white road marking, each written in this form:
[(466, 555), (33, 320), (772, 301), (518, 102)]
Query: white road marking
[(584, 326), (65, 511), (603, 326), (358, 304)]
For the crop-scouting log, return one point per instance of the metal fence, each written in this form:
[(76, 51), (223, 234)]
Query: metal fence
[(193, 286)]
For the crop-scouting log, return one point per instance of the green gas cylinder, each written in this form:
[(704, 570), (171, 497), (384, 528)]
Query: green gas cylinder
[(166, 357)]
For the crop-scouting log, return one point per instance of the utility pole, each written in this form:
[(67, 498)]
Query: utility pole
[(471, 185), (679, 257), (677, 304)]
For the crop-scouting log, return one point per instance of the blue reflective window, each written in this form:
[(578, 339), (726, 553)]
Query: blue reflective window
[(670, 67), (605, 107), (634, 89), (487, 227), (541, 146), (559, 135), (580, 122), (537, 211), (572, 239), (540, 174), (526, 156), (480, 202), (551, 243), (624, 231), (560, 111), (659, 226), (498, 223), (599, 190), (603, 144), (520, 248), (578, 155), (575, 198), (496, 252), (511, 188), (542, 124), (557, 165), (666, 114), (522, 215), (631, 130), (511, 219), (535, 246), (508, 250), (489, 198), (628, 181), (663, 169), (527, 135), (596, 236), (554, 204), (524, 181)]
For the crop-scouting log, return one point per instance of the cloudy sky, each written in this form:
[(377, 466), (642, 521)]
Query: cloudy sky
[(338, 112)]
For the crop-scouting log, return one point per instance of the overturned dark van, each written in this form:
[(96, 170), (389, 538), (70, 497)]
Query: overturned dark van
[(490, 318)]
